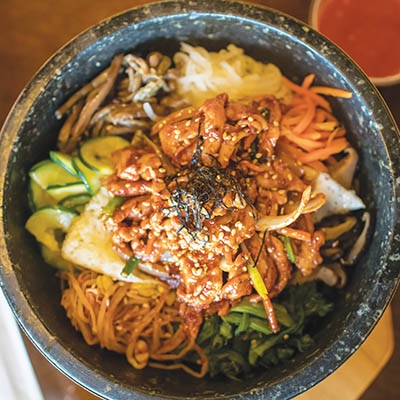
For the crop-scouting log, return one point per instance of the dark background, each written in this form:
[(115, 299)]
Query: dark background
[(30, 32)]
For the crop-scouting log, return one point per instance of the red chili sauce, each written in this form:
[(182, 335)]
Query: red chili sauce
[(368, 30)]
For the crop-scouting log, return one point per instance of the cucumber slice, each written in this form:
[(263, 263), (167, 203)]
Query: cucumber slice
[(48, 173), (54, 259), (60, 192), (76, 202), (64, 161), (49, 224), (89, 177), (95, 153), (38, 197)]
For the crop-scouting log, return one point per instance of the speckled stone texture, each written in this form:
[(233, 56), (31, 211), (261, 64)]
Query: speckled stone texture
[(31, 129)]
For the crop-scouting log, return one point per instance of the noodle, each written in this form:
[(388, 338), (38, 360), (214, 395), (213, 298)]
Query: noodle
[(137, 320)]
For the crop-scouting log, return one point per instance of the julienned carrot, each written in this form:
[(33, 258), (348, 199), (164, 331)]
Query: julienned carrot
[(336, 146), (319, 100), (330, 91), (325, 125), (307, 117), (302, 142), (307, 81), (335, 134), (309, 131)]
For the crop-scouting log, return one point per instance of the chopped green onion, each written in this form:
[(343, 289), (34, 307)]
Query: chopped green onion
[(289, 249), (110, 207), (266, 112), (257, 280), (130, 266)]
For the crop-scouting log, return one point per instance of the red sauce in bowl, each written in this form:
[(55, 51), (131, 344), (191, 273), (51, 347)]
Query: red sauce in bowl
[(368, 30)]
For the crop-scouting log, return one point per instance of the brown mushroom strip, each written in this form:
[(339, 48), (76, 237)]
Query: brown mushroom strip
[(90, 107), (84, 91)]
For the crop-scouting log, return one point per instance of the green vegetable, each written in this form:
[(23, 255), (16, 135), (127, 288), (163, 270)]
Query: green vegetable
[(90, 178), (289, 249), (242, 340), (64, 161), (60, 192), (130, 266), (96, 153), (38, 197), (77, 202), (49, 225), (48, 173), (110, 207)]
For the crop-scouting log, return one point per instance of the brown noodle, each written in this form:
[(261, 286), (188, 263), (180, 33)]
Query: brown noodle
[(140, 320)]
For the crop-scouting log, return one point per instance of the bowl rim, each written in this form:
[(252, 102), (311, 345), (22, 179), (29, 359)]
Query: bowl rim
[(78, 370), (388, 80)]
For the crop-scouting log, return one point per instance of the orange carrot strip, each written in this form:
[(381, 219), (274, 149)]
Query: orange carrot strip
[(335, 147), (330, 91), (305, 144), (298, 89), (313, 135), (307, 118), (307, 81), (325, 126)]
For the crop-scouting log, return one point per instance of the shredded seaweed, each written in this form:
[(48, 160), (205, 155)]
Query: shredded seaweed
[(199, 190)]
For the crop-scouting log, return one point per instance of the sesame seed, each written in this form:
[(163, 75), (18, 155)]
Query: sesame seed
[(239, 225)]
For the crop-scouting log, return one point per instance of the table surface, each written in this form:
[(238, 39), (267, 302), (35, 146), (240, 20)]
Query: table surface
[(30, 32)]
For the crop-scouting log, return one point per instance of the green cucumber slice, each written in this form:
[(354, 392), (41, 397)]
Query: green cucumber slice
[(48, 173), (76, 202), (38, 197), (95, 153), (49, 225), (60, 192), (89, 177), (64, 161)]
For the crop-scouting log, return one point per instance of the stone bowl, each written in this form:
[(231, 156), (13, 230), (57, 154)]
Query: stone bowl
[(32, 288)]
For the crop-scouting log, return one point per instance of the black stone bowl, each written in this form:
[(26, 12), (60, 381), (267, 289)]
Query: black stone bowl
[(32, 288)]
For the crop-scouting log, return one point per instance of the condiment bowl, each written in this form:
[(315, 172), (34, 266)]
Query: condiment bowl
[(365, 31)]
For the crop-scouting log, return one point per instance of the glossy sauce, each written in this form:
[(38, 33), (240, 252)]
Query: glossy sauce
[(368, 30)]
